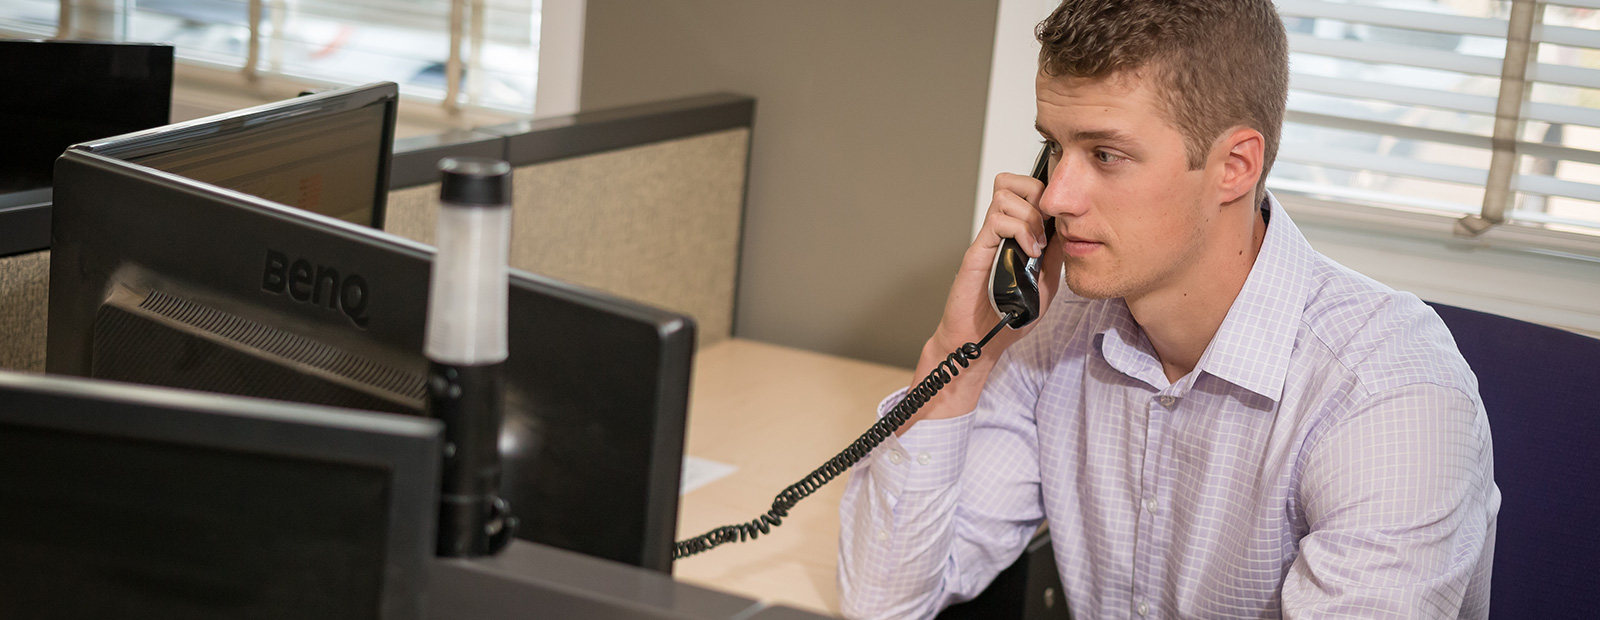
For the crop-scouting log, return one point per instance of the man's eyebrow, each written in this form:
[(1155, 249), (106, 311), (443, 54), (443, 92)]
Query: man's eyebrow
[(1100, 136), (1105, 135)]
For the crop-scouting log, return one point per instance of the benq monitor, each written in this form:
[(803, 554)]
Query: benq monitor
[(160, 279), (54, 94), (326, 153), (125, 501)]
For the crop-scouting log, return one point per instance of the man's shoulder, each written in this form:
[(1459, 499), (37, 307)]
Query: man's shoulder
[(1386, 338)]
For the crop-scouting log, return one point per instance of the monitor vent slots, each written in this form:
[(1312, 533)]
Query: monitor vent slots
[(163, 339), (304, 350)]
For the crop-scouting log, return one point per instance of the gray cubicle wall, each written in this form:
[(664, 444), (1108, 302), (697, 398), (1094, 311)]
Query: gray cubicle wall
[(865, 161), (644, 201)]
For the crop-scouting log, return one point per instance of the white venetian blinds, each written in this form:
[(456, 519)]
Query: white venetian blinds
[(480, 53), (1422, 105)]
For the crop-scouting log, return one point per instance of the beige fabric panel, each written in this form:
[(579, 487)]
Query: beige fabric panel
[(410, 212), (24, 308), (658, 223)]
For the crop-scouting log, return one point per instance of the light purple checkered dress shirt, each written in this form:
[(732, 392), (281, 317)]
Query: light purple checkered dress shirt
[(1328, 457)]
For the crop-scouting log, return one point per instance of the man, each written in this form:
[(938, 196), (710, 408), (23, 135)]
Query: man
[(1221, 423)]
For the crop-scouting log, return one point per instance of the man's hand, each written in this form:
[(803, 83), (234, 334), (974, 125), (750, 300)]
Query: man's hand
[(968, 316)]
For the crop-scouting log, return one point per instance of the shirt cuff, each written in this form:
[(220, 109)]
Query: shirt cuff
[(928, 456)]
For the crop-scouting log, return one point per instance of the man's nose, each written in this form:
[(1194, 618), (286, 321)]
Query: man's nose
[(1064, 195)]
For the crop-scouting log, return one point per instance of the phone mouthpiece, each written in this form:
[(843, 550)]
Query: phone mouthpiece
[(1014, 284)]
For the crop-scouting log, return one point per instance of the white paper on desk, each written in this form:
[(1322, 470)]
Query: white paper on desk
[(698, 472)]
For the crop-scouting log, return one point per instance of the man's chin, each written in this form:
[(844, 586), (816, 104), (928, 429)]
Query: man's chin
[(1092, 288), (1088, 285)]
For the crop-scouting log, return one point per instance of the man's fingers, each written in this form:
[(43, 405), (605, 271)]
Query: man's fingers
[(1001, 227), (1028, 188), (1012, 217)]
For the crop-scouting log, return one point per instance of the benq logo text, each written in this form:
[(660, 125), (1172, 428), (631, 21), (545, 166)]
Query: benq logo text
[(318, 285)]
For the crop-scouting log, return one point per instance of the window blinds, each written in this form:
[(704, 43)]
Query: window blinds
[(1482, 109), (473, 53)]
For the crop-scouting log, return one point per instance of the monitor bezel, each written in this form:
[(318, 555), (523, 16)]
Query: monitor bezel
[(406, 448), (167, 138)]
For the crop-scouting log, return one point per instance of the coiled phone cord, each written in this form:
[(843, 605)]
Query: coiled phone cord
[(859, 449)]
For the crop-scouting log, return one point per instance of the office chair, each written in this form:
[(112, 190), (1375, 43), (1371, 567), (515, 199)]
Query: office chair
[(1030, 589), (1538, 385)]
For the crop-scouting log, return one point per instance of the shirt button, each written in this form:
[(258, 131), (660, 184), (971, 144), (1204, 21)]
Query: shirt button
[(896, 458), (883, 535), (1167, 401), (1150, 504), (1144, 608), (923, 459)]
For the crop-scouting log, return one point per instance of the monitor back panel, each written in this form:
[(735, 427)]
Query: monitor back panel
[(138, 529), (129, 502), (162, 280)]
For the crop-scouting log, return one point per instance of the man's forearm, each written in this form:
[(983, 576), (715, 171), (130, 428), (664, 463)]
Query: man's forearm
[(897, 523), (960, 395)]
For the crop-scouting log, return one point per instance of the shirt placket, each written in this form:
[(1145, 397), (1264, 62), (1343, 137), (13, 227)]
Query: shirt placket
[(1149, 543)]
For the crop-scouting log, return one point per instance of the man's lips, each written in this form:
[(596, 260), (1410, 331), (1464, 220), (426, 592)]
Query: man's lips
[(1075, 246)]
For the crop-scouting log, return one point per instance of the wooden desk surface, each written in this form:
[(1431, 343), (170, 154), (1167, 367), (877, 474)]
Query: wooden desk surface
[(776, 413)]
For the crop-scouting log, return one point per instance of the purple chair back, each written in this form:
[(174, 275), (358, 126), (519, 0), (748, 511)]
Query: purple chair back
[(1541, 389)]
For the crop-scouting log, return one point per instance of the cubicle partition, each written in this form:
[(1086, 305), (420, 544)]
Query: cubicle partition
[(24, 278), (24, 297), (646, 202)]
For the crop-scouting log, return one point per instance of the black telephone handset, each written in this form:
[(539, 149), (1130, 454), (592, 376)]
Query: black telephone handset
[(1014, 282), (1014, 292)]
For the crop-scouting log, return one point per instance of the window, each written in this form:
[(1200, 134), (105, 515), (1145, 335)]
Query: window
[(460, 53), (1420, 107)]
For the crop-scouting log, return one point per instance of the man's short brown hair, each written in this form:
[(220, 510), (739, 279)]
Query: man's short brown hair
[(1218, 63)]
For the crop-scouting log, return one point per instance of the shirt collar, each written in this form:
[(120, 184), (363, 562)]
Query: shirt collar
[(1125, 347), (1252, 346)]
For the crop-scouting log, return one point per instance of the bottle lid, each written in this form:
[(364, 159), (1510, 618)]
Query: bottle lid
[(475, 181)]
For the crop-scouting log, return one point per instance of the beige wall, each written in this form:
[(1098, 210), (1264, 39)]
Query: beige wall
[(869, 120)]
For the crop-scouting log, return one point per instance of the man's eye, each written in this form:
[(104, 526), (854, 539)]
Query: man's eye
[(1105, 157)]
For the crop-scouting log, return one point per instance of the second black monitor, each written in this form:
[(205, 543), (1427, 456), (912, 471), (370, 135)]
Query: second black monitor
[(326, 153), (54, 94)]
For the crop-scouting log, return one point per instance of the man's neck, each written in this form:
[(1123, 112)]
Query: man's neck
[(1181, 318)]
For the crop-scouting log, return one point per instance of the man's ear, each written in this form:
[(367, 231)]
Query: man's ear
[(1241, 150)]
